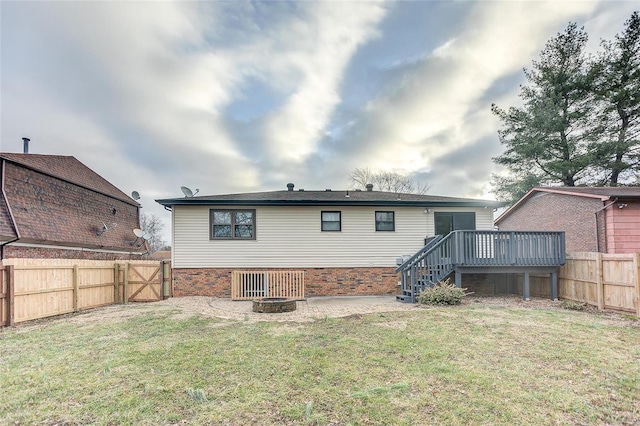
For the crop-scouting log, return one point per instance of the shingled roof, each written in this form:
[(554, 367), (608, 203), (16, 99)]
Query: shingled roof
[(57, 200), (604, 192), (330, 197), (69, 169)]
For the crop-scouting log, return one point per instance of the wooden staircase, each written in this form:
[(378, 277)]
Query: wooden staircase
[(479, 252)]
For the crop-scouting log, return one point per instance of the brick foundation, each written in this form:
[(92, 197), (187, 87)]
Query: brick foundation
[(216, 282)]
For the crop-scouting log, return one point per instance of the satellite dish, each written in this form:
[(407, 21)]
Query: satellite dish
[(104, 228), (186, 191), (146, 236), (138, 232), (135, 195)]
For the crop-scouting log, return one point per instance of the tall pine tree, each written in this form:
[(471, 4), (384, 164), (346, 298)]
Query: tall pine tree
[(618, 91), (550, 138)]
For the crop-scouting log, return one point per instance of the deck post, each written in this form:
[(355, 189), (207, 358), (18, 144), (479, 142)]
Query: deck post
[(554, 286), (458, 279), (525, 287)]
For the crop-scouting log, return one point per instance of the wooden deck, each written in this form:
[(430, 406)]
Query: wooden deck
[(463, 252)]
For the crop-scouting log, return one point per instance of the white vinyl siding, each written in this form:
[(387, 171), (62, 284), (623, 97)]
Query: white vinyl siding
[(484, 217), (292, 237)]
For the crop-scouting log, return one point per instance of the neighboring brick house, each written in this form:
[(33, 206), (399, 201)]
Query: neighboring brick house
[(54, 207), (595, 219), (344, 242)]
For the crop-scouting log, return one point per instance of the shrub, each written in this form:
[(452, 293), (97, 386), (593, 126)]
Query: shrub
[(574, 306), (443, 293)]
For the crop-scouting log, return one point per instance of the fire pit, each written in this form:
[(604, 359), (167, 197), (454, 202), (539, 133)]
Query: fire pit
[(274, 305)]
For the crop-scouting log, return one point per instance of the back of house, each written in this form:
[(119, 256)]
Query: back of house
[(342, 242)]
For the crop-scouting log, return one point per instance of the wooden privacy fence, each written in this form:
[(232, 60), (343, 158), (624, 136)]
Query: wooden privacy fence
[(247, 285), (39, 288), (608, 281)]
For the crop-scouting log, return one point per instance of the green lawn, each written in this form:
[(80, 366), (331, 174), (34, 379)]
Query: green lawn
[(474, 364)]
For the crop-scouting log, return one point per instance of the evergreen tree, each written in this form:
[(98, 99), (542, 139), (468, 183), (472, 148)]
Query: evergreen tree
[(618, 90), (550, 138)]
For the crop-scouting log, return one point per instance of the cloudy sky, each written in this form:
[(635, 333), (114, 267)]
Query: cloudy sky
[(247, 96)]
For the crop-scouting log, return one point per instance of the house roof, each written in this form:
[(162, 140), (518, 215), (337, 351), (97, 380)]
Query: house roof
[(161, 255), (330, 197), (69, 169), (71, 214), (602, 193)]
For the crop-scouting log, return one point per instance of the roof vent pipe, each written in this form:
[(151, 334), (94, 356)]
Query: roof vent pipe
[(369, 187), (290, 187), (25, 145)]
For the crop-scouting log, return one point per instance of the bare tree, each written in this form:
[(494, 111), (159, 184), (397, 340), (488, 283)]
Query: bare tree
[(386, 181), (153, 225)]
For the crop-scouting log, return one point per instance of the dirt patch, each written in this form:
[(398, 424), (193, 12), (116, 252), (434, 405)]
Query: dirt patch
[(186, 307)]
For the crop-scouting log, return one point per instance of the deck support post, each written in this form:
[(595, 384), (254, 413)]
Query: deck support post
[(554, 286), (458, 279), (525, 286)]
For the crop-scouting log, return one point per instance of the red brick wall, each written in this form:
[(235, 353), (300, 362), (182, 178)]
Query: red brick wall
[(15, 252), (216, 282), (49, 211), (559, 212)]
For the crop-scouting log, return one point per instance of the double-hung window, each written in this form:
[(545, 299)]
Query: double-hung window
[(331, 221), (385, 221), (232, 224)]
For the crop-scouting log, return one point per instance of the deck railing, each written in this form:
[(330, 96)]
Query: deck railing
[(441, 256), (508, 248)]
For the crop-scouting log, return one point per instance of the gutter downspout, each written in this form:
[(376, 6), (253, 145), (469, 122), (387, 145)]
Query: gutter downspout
[(605, 224), (13, 219)]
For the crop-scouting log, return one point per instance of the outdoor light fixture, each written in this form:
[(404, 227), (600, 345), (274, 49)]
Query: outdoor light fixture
[(622, 205)]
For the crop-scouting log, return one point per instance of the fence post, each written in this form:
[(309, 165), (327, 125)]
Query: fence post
[(75, 288), (126, 283), (636, 274), (10, 295), (116, 282), (599, 282), (166, 274)]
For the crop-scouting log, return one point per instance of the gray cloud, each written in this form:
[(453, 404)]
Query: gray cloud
[(247, 96)]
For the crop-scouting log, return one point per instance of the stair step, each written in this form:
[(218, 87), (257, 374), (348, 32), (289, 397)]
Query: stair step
[(403, 298)]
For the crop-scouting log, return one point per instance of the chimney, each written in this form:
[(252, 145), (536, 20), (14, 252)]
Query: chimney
[(25, 145), (290, 187), (369, 187)]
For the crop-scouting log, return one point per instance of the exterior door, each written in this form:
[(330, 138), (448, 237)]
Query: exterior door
[(447, 222)]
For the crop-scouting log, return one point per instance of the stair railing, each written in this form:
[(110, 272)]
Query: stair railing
[(428, 266)]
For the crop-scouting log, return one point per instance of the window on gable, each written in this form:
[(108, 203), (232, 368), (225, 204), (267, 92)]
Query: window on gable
[(331, 221), (232, 224), (385, 221)]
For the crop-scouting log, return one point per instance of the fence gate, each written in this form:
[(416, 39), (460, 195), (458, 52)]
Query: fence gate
[(143, 282)]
